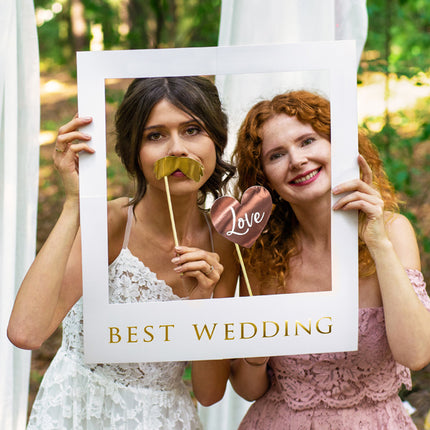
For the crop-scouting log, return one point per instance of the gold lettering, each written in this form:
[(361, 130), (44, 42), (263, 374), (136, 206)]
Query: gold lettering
[(167, 331), (228, 331), (130, 334), (151, 336), (265, 326), (286, 328), (242, 330), (112, 334), (307, 330), (328, 325), (205, 329)]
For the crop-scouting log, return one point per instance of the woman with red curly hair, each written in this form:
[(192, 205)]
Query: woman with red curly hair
[(284, 145)]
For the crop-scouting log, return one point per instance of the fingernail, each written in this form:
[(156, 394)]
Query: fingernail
[(86, 135), (177, 269), (178, 248), (335, 189), (176, 260)]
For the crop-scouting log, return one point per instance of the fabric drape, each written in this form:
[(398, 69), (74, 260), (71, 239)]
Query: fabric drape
[(19, 163)]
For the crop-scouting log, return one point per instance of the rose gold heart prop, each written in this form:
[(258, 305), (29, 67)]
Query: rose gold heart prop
[(243, 222)]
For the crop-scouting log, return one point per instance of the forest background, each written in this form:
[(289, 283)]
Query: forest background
[(393, 91)]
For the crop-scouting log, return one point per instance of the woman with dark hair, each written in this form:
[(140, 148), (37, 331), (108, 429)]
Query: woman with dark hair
[(284, 145), (159, 117)]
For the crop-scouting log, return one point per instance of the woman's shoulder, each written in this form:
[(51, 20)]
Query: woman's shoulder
[(117, 210), (117, 220), (398, 224), (402, 235)]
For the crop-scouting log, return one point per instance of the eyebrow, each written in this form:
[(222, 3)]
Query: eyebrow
[(192, 121), (300, 138)]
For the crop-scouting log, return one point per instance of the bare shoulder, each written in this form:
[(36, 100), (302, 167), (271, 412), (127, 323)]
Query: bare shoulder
[(117, 211), (402, 235), (398, 225), (117, 220)]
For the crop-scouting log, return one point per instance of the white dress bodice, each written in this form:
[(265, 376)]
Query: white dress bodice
[(126, 396)]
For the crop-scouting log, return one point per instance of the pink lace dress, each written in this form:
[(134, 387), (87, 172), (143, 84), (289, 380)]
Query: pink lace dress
[(339, 391)]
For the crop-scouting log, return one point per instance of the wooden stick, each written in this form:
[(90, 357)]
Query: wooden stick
[(245, 275), (169, 203)]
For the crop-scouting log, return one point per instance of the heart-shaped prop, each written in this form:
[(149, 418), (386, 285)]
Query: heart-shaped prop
[(242, 222)]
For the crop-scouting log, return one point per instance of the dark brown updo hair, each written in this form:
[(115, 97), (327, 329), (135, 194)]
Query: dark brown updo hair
[(198, 97)]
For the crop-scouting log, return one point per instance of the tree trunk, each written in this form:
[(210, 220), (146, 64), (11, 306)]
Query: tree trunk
[(78, 26), (138, 32), (158, 8)]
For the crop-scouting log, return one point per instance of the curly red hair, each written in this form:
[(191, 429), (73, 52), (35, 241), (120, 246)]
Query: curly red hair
[(270, 255)]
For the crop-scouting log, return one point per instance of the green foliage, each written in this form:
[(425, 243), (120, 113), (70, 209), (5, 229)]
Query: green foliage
[(407, 171), (149, 24), (200, 23), (399, 36), (114, 96), (187, 373), (36, 376), (397, 155), (105, 13), (52, 41), (49, 124)]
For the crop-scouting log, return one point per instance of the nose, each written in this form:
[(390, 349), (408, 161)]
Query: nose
[(297, 158), (177, 146)]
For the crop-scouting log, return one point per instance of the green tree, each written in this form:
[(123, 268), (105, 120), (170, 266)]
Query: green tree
[(399, 36), (126, 24)]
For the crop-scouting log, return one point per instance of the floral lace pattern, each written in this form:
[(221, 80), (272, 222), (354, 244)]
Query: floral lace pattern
[(150, 396), (334, 390)]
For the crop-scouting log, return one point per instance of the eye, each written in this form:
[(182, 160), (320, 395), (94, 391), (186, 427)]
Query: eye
[(276, 155), (308, 141), (154, 136), (192, 130)]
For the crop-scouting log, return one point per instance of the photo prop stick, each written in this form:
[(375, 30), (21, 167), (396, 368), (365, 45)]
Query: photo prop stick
[(243, 222), (164, 167)]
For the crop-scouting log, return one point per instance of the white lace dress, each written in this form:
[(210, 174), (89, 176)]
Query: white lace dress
[(152, 396)]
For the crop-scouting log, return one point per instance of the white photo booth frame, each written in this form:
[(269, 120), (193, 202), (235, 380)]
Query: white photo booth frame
[(235, 327)]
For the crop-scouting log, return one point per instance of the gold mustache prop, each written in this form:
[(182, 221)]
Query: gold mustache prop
[(165, 166), (192, 169)]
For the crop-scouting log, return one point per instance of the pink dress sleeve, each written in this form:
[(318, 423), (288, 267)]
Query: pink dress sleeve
[(417, 281)]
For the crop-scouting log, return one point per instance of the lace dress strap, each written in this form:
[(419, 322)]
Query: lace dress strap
[(210, 231), (128, 227)]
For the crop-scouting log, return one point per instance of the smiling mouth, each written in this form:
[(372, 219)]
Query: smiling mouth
[(303, 180)]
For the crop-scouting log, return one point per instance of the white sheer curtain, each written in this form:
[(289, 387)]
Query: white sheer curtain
[(19, 163), (247, 22)]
